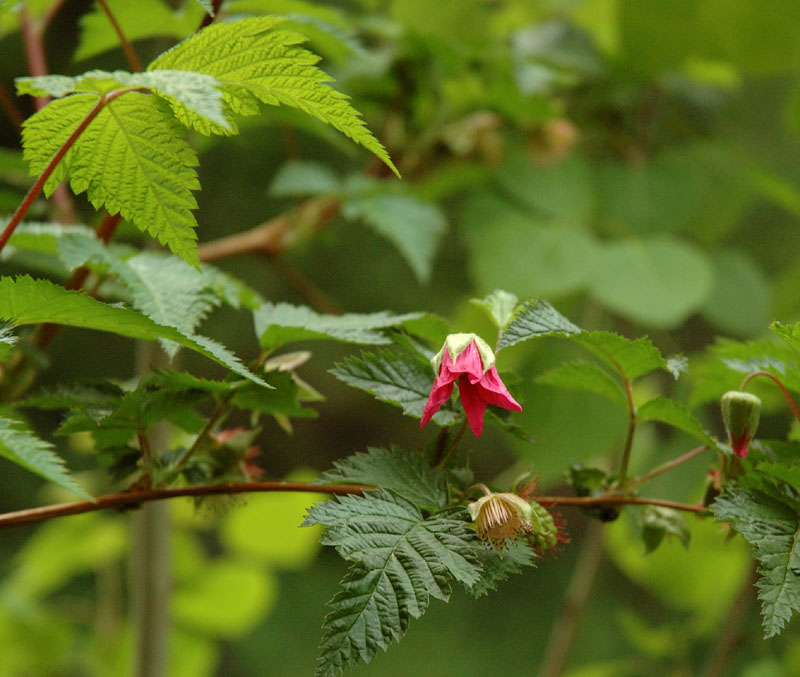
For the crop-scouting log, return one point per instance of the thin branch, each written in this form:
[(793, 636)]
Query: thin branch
[(132, 499), (780, 385), (130, 53), (314, 296), (589, 501), (13, 112), (565, 626), (669, 465), (208, 18), (276, 235)]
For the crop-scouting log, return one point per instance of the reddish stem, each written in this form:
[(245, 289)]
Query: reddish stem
[(780, 385), (10, 107), (129, 499), (36, 188), (130, 54), (669, 465)]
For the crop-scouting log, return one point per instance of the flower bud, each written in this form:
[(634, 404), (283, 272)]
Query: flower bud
[(740, 412)]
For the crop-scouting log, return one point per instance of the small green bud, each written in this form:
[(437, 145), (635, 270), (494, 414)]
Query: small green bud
[(740, 412)]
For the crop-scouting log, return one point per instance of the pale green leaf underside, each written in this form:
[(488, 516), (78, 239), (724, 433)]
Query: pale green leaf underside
[(413, 226), (499, 305), (279, 323), (772, 531), (256, 63), (532, 319), (28, 301), (22, 447), (166, 289), (132, 159), (396, 378), (404, 472), (401, 561), (585, 376), (676, 414)]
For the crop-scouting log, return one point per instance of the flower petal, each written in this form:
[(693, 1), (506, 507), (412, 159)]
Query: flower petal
[(440, 392), (469, 362), (473, 403), (494, 391)]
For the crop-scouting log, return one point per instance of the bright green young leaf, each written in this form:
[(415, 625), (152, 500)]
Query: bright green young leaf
[(279, 323), (499, 305), (676, 414), (631, 359), (28, 301), (413, 226), (771, 529), (401, 560), (780, 471), (21, 446), (138, 20), (397, 378), (255, 62), (658, 281), (585, 376), (132, 159), (534, 318), (404, 472)]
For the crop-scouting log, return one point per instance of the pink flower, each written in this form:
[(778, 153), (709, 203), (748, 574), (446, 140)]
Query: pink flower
[(468, 359)]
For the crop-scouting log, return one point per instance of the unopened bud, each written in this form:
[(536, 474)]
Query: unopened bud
[(740, 412)]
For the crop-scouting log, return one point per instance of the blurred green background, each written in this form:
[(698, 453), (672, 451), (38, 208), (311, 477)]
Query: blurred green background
[(635, 162)]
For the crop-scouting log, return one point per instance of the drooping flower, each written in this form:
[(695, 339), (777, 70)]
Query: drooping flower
[(740, 413), (468, 359)]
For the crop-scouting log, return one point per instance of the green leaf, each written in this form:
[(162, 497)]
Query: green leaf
[(413, 226), (279, 323), (43, 238), (771, 529), (404, 472), (498, 566), (300, 179), (22, 447), (631, 359), (138, 20), (533, 319), (658, 282), (657, 521), (676, 414), (281, 399), (28, 301), (780, 471), (132, 159), (499, 305), (185, 91), (401, 561), (397, 378), (585, 376), (94, 398), (164, 288), (256, 63)]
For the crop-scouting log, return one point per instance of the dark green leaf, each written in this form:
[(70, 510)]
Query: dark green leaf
[(771, 529), (631, 359), (498, 566), (404, 472), (397, 378), (401, 561), (19, 445), (676, 414), (534, 318)]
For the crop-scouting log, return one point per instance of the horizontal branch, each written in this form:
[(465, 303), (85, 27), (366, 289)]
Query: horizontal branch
[(131, 499), (276, 235), (126, 500)]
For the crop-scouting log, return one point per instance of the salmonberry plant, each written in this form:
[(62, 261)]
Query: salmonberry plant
[(416, 519)]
